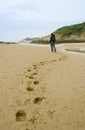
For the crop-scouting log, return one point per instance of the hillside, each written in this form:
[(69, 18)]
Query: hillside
[(31, 39), (72, 33)]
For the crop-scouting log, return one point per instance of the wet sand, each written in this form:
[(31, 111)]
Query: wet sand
[(41, 90)]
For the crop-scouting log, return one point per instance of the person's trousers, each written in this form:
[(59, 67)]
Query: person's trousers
[(53, 48)]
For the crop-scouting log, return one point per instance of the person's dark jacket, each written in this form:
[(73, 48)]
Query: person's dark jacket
[(52, 38)]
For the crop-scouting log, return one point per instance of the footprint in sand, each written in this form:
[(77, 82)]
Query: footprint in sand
[(35, 66), (26, 76), (21, 115), (30, 89), (29, 70), (35, 73), (60, 58), (31, 77), (36, 82), (53, 61), (38, 100), (41, 63), (63, 57)]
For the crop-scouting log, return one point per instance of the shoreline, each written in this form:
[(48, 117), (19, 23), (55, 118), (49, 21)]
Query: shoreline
[(75, 50)]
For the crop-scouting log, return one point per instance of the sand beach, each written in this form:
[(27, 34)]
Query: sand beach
[(41, 90)]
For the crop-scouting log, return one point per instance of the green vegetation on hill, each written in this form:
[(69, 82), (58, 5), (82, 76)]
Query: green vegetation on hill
[(66, 31)]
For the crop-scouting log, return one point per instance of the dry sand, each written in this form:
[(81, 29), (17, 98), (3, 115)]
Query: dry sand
[(41, 90)]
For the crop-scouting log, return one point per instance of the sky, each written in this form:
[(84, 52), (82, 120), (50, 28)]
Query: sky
[(36, 18)]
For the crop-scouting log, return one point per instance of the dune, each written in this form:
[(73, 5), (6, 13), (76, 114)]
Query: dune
[(41, 90)]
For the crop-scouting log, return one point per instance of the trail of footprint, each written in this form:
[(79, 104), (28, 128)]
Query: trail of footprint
[(31, 75), (33, 71), (36, 68)]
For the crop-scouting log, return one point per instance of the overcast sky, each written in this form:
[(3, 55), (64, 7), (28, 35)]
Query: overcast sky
[(32, 18)]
